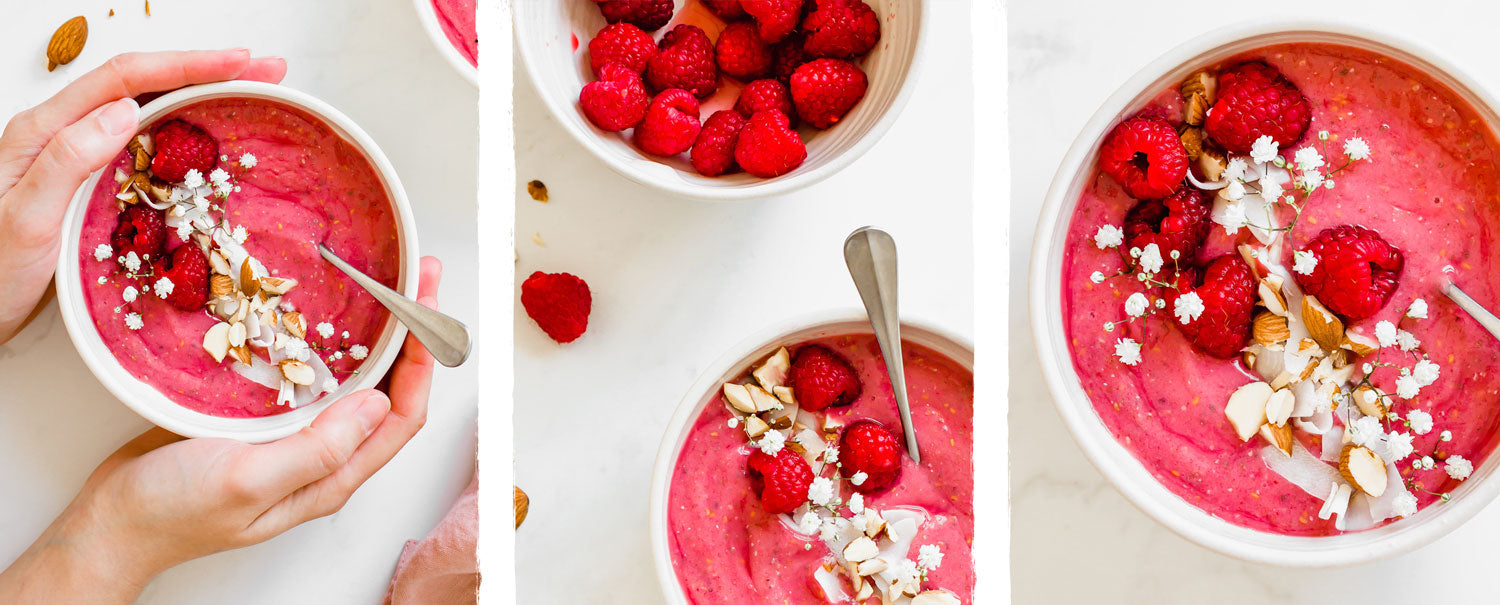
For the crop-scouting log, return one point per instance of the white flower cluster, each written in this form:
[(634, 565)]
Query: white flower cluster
[(1250, 190)]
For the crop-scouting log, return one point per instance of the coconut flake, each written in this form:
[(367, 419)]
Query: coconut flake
[(1302, 469), (260, 372)]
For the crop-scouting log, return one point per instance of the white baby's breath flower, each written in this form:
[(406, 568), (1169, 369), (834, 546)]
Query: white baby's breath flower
[(809, 523), (1397, 445), (185, 231), (734, 422), (1305, 262), (247, 160), (1235, 169), (1458, 467), (857, 503), (1308, 159), (1128, 350), (359, 352), (831, 454), (1109, 236), (1357, 149), (1385, 332), (132, 262), (1407, 341), (1234, 190), (296, 348), (1405, 504), (1151, 260), (1311, 180), (1234, 218), (163, 287), (929, 557), (821, 491), (129, 294), (133, 321), (102, 280), (1270, 188), (1417, 310), (1366, 430), (193, 179), (1136, 305), (1188, 307), (103, 252), (1446, 435), (1264, 149), (772, 442), (218, 177), (859, 478), (1427, 462), (330, 384), (1407, 387), (1097, 277), (1426, 372), (240, 234), (325, 329), (1420, 421)]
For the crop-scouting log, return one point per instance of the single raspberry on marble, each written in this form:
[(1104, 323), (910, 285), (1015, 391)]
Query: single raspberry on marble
[(768, 147), (685, 60), (559, 303), (1227, 289), (1145, 156), (840, 29), (1180, 223), (776, 19), (821, 378), (623, 44), (182, 147), (140, 229), (713, 152), (1357, 271), (866, 446), (781, 480), (741, 53), (671, 125), (824, 90), (616, 101), (1255, 100), (649, 15)]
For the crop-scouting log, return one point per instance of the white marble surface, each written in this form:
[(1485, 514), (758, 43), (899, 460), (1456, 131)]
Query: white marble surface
[(676, 283), (372, 60), (1075, 539)]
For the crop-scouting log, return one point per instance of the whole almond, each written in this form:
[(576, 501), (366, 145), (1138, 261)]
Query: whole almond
[(67, 42), (220, 286), (522, 504), (1194, 108), (1322, 324), (1270, 329)]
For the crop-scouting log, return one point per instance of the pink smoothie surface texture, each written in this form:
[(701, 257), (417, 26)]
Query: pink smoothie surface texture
[(727, 549), (457, 18), (1431, 189), (308, 186)]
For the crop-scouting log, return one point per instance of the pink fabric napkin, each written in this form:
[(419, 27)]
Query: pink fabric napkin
[(443, 568)]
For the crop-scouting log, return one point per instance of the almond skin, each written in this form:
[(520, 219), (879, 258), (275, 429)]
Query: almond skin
[(1322, 324), (67, 42), (1270, 329)]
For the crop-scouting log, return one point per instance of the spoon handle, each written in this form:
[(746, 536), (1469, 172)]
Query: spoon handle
[(446, 338), (871, 256), (1474, 309)]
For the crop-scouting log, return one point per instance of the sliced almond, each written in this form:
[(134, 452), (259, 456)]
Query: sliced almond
[(141, 144), (1192, 142), (1200, 83), (297, 372), (216, 341), (241, 311), (1279, 436), (1270, 329), (772, 373), (241, 353), (855, 577), (220, 286), (237, 333), (142, 161), (872, 567), (1271, 295), (1369, 401), (161, 191), (218, 264), (1212, 164), (861, 549), (1359, 344), (782, 422), (1246, 409), (1279, 407), (764, 402), (1322, 324), (863, 594), (785, 394), (1193, 108), (874, 524), (755, 427), (276, 286), (1363, 469), (296, 325), (935, 597), (831, 424), (739, 397), (248, 283)]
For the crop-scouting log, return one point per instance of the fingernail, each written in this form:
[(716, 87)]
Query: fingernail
[(120, 117), (372, 411)]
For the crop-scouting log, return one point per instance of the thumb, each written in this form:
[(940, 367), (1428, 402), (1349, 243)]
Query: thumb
[(40, 198), (322, 448)]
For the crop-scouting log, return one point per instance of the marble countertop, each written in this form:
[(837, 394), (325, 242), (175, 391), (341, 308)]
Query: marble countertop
[(676, 283), (374, 61), (1074, 538)]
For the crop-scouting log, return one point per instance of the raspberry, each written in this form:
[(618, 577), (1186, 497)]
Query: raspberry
[(821, 378), (671, 125), (686, 61), (781, 480), (826, 89), (713, 153), (621, 43), (1145, 157), (649, 15), (140, 229), (840, 29), (776, 18), (866, 446), (786, 57), (559, 303), (728, 10), (187, 267), (1256, 100), (181, 147), (618, 100), (741, 53), (1357, 271), (1179, 224), (763, 95), (768, 147), (1227, 287)]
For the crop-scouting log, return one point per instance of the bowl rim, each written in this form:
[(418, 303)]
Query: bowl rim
[(1099, 445), (107, 369), (756, 343), (427, 14), (762, 189)]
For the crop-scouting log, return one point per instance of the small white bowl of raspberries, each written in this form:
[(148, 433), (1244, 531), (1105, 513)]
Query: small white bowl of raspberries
[(723, 99)]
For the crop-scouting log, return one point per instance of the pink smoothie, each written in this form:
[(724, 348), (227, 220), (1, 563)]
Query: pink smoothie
[(727, 549), (457, 18), (1432, 190), (308, 186)]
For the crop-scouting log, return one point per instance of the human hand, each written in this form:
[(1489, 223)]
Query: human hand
[(46, 153), (162, 500)]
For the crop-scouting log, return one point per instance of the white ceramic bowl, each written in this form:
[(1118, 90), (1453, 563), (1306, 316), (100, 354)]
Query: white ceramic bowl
[(735, 363), (545, 32), (1101, 447), (427, 14), (145, 399)]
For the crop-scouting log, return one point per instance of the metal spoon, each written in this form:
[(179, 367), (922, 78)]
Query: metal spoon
[(446, 338), (871, 256), (1474, 309)]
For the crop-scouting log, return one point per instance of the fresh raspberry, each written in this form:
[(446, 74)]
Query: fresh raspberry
[(741, 53), (825, 89), (768, 147), (840, 29), (781, 480), (1179, 224), (1145, 157), (621, 43), (1227, 288), (763, 95), (786, 57), (713, 153), (776, 18), (686, 61), (820, 378), (1256, 100), (728, 10), (866, 446), (1357, 271), (181, 147), (187, 267), (140, 229), (649, 15), (559, 303), (618, 100), (671, 125)]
